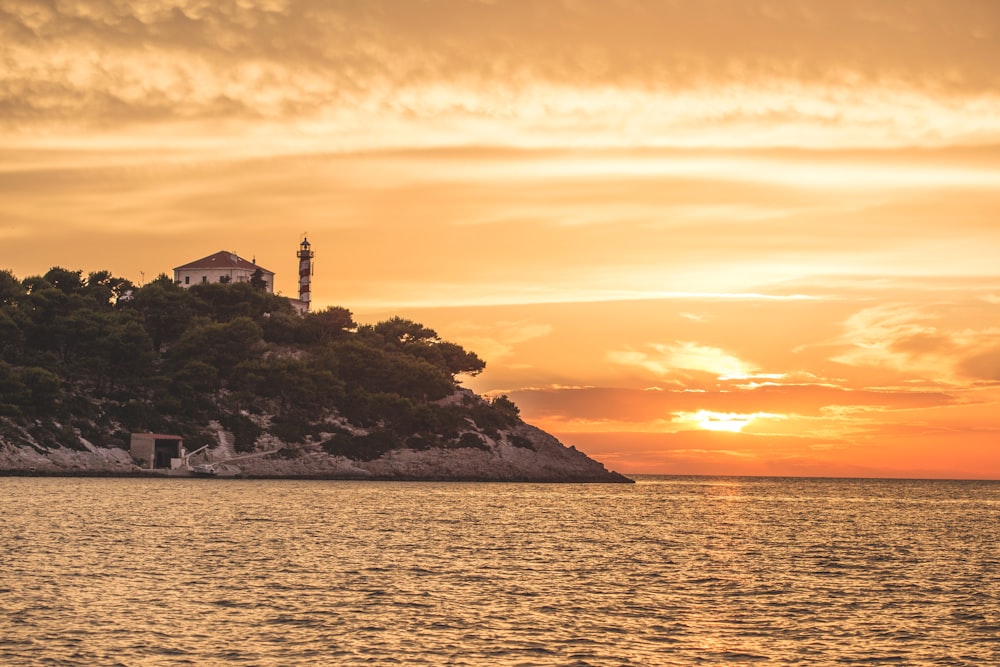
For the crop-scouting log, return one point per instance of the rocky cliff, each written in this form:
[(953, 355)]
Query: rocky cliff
[(521, 453)]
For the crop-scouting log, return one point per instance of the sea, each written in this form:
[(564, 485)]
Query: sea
[(668, 571)]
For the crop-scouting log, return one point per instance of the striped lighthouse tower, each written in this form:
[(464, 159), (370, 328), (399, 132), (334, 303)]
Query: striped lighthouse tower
[(305, 256)]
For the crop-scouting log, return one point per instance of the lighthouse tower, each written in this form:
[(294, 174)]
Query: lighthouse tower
[(305, 255)]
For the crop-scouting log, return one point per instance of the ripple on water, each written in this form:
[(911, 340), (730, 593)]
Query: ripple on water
[(677, 571)]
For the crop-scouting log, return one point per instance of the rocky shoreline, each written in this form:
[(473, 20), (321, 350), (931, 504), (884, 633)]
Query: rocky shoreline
[(546, 461)]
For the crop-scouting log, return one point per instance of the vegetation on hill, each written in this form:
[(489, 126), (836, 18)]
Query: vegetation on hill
[(99, 357)]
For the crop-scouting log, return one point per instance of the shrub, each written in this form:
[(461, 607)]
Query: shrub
[(245, 431), (472, 441), (361, 447), (290, 429), (521, 441)]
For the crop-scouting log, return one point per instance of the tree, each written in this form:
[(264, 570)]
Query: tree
[(130, 352), (105, 288), (34, 284), (505, 406), (64, 280), (196, 376), (223, 302), (326, 325), (257, 280), (166, 310), (29, 390), (375, 370), (299, 387), (42, 389), (423, 343), (452, 358), (12, 390), (399, 331), (222, 346), (11, 289), (50, 324), (282, 328), (11, 338)]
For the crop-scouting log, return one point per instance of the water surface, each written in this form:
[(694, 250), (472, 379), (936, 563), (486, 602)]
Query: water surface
[(670, 571)]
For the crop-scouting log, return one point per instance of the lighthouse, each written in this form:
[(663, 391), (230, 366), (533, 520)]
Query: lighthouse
[(305, 256)]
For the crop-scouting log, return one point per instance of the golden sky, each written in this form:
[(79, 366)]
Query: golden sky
[(724, 236)]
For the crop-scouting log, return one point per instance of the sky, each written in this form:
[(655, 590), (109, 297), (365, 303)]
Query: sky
[(738, 237)]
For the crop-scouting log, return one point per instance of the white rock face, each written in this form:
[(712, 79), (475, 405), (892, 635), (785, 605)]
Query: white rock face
[(548, 461), (94, 460)]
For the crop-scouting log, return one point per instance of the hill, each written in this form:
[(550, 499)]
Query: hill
[(86, 362)]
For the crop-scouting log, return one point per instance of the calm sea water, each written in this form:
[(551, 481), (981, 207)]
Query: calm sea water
[(670, 571)]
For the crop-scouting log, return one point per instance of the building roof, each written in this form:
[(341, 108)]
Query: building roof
[(223, 260)]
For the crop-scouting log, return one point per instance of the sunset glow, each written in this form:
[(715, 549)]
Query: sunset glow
[(722, 421), (722, 237)]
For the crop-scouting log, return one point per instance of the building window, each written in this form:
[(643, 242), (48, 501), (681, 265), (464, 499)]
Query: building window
[(204, 279), (187, 280)]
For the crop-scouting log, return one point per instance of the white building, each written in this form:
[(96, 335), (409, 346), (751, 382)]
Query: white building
[(222, 267)]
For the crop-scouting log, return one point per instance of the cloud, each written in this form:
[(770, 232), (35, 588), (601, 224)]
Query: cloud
[(498, 340), (636, 406), (984, 365), (945, 341), (666, 359), (450, 72)]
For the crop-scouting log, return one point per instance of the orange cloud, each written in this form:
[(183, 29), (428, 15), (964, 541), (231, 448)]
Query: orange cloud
[(302, 74), (932, 340), (630, 405), (662, 359)]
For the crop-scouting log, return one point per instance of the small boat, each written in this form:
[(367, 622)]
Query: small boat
[(204, 469)]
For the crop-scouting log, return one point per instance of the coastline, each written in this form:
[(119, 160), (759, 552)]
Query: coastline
[(613, 478)]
